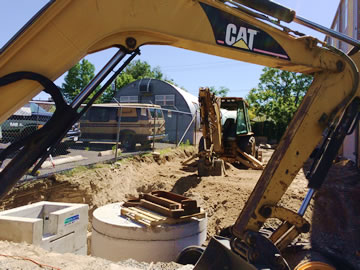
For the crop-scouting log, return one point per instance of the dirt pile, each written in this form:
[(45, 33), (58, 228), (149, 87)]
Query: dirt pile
[(27, 257), (221, 197)]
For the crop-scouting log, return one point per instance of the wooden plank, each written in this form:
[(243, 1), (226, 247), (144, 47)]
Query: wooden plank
[(189, 204), (161, 209), (162, 201), (159, 206), (147, 213), (178, 220), (169, 195), (143, 216), (131, 203), (137, 215), (185, 202)]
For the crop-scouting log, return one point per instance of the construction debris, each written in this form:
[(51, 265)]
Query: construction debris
[(161, 207)]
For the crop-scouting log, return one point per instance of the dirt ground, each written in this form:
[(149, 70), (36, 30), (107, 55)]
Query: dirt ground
[(221, 197)]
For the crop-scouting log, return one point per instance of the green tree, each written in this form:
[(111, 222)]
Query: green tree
[(120, 81), (82, 73), (278, 95), (134, 71), (221, 92), (77, 78)]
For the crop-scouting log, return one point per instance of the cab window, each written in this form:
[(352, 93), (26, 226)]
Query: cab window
[(241, 127)]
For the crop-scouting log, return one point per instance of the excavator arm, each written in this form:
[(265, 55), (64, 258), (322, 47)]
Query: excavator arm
[(65, 31)]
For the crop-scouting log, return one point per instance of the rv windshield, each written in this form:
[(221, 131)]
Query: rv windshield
[(156, 113)]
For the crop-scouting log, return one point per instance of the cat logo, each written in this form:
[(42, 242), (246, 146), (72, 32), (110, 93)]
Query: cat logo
[(241, 37), (230, 31)]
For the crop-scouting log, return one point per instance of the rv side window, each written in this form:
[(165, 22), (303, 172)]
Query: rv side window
[(129, 114), (99, 115)]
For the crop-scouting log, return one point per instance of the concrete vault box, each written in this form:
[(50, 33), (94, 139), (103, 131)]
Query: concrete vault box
[(58, 227)]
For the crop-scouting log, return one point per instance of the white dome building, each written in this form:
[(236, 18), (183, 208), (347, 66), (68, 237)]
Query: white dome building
[(179, 106)]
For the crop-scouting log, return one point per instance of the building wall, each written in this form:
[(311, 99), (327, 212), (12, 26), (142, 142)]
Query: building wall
[(346, 20)]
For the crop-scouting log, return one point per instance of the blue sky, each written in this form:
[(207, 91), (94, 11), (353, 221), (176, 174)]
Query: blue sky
[(188, 69)]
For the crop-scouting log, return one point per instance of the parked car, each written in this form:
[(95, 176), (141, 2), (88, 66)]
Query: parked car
[(139, 123), (28, 119)]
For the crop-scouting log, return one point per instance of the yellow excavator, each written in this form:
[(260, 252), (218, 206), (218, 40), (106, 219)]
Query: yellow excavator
[(227, 134), (253, 31)]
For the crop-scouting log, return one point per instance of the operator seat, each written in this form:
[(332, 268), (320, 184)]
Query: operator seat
[(229, 130)]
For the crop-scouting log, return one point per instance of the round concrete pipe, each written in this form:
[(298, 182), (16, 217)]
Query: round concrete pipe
[(116, 238)]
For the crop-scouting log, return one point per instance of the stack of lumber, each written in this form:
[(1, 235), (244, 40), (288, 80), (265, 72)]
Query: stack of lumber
[(161, 207)]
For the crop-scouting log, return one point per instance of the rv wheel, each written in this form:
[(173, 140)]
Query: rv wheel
[(128, 142)]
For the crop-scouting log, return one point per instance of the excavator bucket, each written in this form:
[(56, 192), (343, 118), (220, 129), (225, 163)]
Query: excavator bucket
[(218, 255), (215, 168)]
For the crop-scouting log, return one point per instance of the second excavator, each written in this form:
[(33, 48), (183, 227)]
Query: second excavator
[(227, 135)]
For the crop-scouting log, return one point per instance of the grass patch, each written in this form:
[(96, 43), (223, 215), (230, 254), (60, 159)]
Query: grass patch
[(165, 151), (75, 171), (81, 169), (184, 144)]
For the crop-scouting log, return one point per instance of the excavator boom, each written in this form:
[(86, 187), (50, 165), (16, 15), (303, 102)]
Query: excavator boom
[(62, 34)]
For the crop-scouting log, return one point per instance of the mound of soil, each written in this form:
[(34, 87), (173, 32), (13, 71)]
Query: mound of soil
[(221, 197)]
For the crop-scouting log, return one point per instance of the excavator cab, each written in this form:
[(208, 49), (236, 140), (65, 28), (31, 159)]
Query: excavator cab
[(236, 128), (236, 124)]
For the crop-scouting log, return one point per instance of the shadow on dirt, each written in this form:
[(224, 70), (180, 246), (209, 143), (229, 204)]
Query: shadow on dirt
[(93, 146), (185, 183), (191, 167)]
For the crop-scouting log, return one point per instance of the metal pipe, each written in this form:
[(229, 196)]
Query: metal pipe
[(154, 130), (176, 129), (285, 14), (327, 31), (95, 82), (195, 127), (118, 134), (192, 120), (306, 202), (270, 8)]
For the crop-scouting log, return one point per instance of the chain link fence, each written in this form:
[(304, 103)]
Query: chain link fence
[(105, 133)]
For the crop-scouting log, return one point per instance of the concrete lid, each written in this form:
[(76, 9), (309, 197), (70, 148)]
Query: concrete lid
[(108, 221)]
